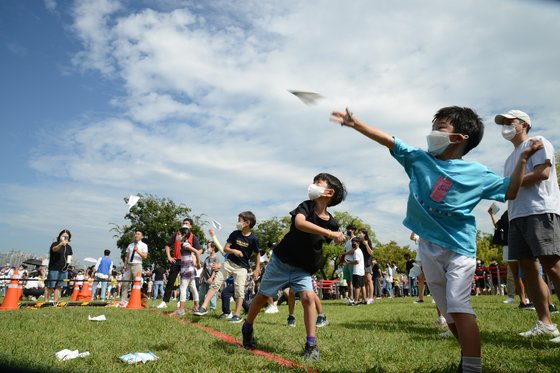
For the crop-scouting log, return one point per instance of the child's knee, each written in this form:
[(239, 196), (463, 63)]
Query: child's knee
[(307, 297)]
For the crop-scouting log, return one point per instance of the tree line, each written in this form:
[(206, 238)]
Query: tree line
[(159, 218)]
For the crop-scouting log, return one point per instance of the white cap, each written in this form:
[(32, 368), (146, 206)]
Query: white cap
[(521, 115)]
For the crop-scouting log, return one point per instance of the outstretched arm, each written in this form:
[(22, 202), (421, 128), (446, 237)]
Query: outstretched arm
[(215, 240), (348, 119), (516, 178)]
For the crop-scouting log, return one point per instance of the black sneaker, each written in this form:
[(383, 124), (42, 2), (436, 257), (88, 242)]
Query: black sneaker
[(526, 306), (311, 352), (552, 308), (322, 321), (201, 311), (249, 342), (291, 321)]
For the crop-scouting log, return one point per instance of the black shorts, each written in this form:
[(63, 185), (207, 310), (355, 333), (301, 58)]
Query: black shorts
[(357, 281)]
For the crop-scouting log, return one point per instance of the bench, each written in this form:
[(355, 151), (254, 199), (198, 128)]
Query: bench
[(328, 289)]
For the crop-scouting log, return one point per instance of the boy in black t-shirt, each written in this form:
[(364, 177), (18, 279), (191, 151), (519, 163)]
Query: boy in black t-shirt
[(298, 256), (241, 243)]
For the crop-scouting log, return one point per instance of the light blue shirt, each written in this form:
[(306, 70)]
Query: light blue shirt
[(443, 195)]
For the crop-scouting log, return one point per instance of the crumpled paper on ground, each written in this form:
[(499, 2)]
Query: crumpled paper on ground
[(138, 357), (97, 318), (66, 354)]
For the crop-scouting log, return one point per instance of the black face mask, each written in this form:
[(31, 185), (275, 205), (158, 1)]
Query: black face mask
[(185, 232)]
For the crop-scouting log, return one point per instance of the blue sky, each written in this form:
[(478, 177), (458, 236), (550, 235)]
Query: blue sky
[(188, 100)]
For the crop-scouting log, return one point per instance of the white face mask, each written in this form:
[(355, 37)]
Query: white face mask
[(239, 225), (509, 132), (438, 141), (314, 191)]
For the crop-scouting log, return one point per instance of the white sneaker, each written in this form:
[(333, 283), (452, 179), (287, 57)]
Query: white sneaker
[(271, 309), (441, 321), (555, 340), (349, 300), (162, 305), (369, 301), (446, 333), (541, 328), (509, 300)]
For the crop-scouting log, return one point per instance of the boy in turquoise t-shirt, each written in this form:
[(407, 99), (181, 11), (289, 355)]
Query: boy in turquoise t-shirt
[(444, 189)]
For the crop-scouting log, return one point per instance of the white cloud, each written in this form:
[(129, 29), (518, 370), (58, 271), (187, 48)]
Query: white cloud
[(204, 116)]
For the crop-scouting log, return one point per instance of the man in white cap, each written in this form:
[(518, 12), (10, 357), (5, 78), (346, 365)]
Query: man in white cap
[(534, 218)]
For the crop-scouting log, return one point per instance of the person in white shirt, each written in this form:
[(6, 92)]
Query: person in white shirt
[(534, 217), (136, 252), (358, 272)]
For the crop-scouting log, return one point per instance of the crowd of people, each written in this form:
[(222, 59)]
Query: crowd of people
[(444, 190)]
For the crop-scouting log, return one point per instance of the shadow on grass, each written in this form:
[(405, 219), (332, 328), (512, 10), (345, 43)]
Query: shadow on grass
[(6, 367)]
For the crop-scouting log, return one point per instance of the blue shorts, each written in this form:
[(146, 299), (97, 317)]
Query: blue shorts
[(279, 275), (55, 279)]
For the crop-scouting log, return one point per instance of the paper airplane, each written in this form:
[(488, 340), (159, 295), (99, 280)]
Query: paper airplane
[(90, 260), (216, 224), (132, 200), (308, 98)]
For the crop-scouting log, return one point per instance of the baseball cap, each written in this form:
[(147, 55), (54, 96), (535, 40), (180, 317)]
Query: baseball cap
[(521, 115)]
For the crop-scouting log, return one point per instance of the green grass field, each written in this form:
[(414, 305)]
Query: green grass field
[(393, 335)]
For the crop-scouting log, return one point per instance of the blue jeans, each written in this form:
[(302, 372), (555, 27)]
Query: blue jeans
[(202, 290), (158, 289), (389, 288), (104, 283)]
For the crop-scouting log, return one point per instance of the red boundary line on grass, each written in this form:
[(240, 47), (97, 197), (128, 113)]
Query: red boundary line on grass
[(234, 341)]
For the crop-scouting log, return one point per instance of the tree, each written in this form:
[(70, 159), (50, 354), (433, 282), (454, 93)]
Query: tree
[(158, 218), (385, 253), (485, 249), (272, 231)]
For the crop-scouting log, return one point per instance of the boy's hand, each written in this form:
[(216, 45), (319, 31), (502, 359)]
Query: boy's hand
[(536, 144), (344, 118), (237, 253), (211, 231), (256, 273)]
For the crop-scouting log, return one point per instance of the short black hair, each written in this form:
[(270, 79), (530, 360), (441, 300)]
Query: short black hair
[(189, 220), (465, 121), (334, 184), (107, 252), (248, 216)]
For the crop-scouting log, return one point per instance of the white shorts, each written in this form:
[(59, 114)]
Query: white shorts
[(449, 276)]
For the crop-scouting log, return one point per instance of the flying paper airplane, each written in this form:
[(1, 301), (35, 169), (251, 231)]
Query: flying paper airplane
[(132, 200), (308, 98), (216, 225)]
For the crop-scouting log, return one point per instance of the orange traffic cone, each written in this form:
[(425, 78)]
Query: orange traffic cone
[(76, 291), (135, 301), (13, 294), (85, 293)]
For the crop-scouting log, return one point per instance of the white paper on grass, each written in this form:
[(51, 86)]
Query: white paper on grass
[(138, 357), (66, 354), (308, 98), (216, 224), (132, 200), (97, 318)]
